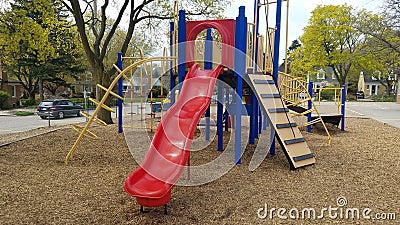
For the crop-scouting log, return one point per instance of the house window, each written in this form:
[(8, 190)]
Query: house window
[(14, 91), (321, 74), (368, 87)]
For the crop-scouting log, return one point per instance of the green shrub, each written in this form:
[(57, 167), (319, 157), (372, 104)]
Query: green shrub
[(28, 102), (327, 95), (4, 96), (383, 98), (24, 113)]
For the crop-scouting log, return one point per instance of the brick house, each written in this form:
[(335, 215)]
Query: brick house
[(12, 87)]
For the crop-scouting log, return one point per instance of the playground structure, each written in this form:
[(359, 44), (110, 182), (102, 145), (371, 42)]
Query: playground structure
[(243, 58)]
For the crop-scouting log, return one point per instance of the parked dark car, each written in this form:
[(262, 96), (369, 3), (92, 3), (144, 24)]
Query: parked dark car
[(58, 108), (360, 95)]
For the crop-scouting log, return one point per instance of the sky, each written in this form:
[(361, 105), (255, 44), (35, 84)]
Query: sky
[(299, 14)]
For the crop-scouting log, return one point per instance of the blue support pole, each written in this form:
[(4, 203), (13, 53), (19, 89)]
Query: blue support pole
[(226, 111), (265, 121), (239, 69), (171, 71), (208, 48), (277, 40), (220, 98), (343, 109), (120, 87), (181, 47), (253, 126), (255, 113), (310, 92), (276, 58), (260, 120), (257, 26)]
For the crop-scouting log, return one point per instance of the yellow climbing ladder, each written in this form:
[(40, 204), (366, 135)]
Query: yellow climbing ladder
[(294, 91)]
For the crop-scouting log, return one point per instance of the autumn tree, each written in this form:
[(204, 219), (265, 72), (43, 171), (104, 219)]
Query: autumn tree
[(148, 13), (329, 40)]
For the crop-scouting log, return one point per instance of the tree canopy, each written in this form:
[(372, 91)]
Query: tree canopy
[(329, 40), (38, 43)]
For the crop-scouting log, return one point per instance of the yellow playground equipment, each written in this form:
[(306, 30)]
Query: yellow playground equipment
[(84, 131)]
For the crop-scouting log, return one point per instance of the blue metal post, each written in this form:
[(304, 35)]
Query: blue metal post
[(239, 69), (343, 109), (277, 41), (208, 49), (257, 25), (253, 116), (255, 113), (310, 92), (276, 58), (260, 120), (254, 101), (226, 111), (181, 47), (220, 98), (265, 121), (120, 86), (171, 71), (208, 66)]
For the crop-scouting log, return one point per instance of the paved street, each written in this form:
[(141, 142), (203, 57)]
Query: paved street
[(14, 124), (385, 112)]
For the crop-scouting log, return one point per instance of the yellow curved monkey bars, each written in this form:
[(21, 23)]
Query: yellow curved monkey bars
[(84, 131)]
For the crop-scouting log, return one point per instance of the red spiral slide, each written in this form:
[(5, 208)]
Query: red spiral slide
[(169, 151)]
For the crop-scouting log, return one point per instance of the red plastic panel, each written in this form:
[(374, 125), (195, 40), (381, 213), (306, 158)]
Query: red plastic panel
[(225, 27)]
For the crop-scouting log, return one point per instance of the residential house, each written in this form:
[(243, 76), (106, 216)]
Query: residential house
[(373, 86), (12, 87)]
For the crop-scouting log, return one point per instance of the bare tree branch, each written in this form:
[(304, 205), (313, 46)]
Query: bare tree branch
[(113, 29)]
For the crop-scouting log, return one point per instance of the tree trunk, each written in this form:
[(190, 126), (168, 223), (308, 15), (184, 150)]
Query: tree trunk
[(102, 79), (41, 97)]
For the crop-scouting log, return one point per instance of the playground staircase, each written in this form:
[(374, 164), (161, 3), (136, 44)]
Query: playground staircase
[(287, 132), (295, 94)]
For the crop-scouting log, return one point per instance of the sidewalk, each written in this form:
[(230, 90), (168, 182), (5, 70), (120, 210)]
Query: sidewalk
[(11, 112)]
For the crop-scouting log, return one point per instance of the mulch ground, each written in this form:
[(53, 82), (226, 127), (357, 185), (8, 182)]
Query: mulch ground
[(361, 164)]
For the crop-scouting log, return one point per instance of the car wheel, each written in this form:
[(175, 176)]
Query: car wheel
[(43, 117), (78, 114), (60, 115)]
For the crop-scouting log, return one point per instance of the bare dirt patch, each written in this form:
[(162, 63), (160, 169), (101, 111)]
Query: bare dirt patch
[(362, 164)]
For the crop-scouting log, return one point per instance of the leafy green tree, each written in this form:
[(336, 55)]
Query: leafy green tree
[(292, 48), (381, 48), (329, 40), (145, 13), (38, 43)]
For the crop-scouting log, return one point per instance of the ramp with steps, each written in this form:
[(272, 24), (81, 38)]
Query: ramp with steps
[(287, 132)]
